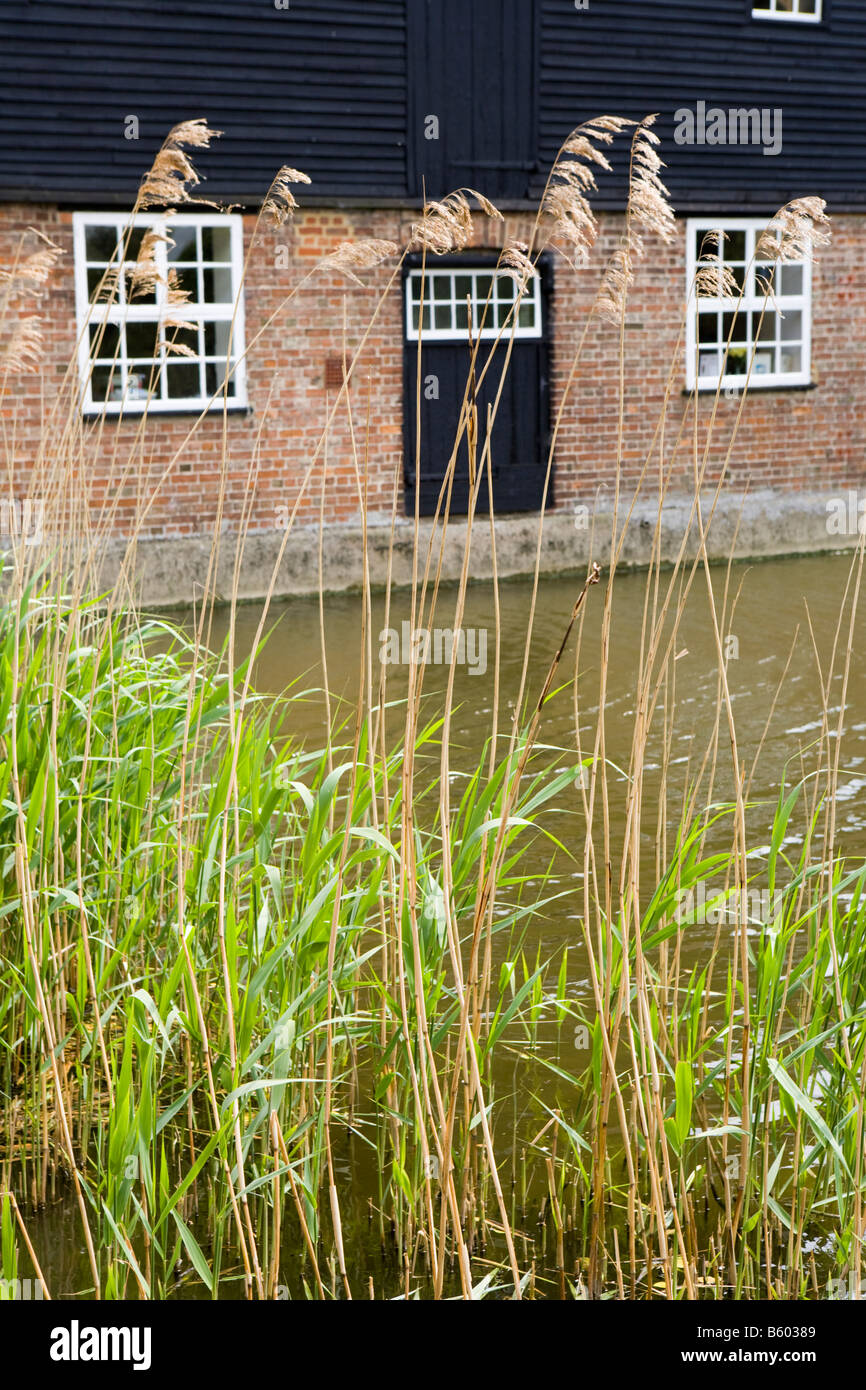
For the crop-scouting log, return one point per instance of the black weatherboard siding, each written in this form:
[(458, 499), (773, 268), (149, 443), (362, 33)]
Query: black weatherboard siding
[(321, 85), (632, 57), (342, 89)]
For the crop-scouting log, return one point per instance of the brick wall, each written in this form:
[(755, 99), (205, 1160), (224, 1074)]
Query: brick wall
[(789, 439)]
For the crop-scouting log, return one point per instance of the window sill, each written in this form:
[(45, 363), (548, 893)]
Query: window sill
[(785, 17), (753, 390), (188, 412)]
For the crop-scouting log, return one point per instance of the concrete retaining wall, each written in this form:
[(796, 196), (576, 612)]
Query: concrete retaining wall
[(760, 525)]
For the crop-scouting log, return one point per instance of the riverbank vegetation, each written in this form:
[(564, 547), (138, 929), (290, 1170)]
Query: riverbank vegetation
[(274, 1019)]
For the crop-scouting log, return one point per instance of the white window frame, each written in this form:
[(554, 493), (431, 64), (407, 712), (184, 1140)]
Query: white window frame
[(802, 302), (196, 313), (797, 16), (531, 295)]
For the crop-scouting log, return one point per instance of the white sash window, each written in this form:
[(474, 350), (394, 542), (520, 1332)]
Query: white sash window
[(143, 346), (765, 337)]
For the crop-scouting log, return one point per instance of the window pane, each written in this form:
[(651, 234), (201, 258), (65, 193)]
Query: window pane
[(526, 316), (764, 279), (187, 281), (791, 359), (185, 243), (102, 284), (462, 288), (215, 375), (183, 380), (140, 292), (104, 340), (216, 243), (735, 247), (764, 361), (737, 363), (442, 287), (767, 326), (133, 245), (182, 337), (100, 243), (142, 381), (792, 326), (105, 383), (216, 339), (739, 276), (142, 339), (708, 328), (740, 324), (218, 286), (709, 364), (792, 279), (708, 242)]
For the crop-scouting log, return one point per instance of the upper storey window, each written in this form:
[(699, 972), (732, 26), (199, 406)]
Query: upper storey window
[(807, 10)]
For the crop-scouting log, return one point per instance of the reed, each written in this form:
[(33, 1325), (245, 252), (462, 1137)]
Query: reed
[(267, 1009)]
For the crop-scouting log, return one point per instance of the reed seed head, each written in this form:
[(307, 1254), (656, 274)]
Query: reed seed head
[(143, 274), (566, 202), (649, 200), (795, 231), (714, 279), (280, 202), (517, 264), (34, 270), (648, 210), (172, 173), (444, 226), (24, 349), (615, 284), (352, 256)]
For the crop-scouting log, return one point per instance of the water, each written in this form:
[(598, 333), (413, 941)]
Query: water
[(774, 604)]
